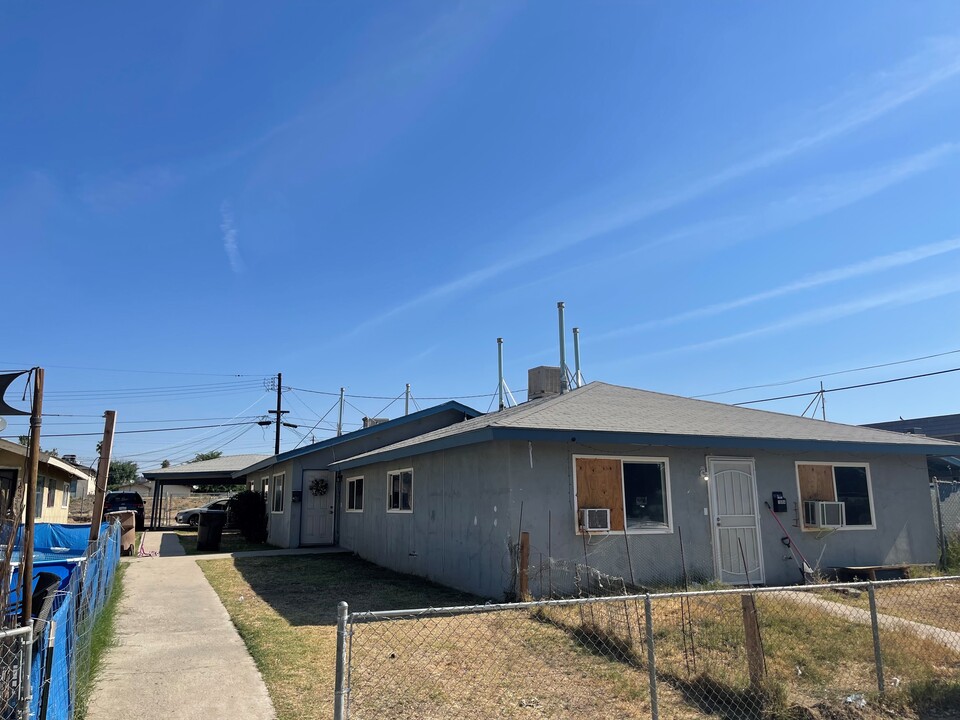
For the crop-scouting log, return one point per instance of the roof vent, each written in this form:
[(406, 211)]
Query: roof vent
[(72, 459), (542, 382), (370, 422)]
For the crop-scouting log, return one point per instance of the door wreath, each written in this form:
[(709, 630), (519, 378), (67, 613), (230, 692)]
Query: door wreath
[(318, 486)]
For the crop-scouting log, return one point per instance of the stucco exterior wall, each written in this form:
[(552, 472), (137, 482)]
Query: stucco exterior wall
[(284, 530), (467, 506), (52, 479), (459, 531)]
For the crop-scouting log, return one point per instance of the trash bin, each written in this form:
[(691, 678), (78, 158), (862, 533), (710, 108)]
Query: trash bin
[(128, 529), (210, 529)]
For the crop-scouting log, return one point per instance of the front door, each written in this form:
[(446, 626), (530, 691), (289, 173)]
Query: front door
[(736, 541), (316, 518)]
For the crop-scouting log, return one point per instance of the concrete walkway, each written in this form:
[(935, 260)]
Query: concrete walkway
[(935, 634), (178, 654)]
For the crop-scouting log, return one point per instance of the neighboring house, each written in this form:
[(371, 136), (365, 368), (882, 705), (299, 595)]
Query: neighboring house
[(943, 427), (447, 505), (82, 486), (178, 480), (53, 482), (302, 491)]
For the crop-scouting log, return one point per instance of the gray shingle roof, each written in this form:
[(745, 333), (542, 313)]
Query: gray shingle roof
[(622, 411)]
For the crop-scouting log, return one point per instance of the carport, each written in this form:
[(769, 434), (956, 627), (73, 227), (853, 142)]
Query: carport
[(219, 471)]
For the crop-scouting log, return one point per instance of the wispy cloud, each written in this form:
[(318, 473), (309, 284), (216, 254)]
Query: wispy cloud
[(847, 272), (909, 295), (821, 198), (229, 232), (880, 95)]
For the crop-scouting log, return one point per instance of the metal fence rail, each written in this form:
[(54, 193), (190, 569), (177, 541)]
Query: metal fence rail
[(733, 653)]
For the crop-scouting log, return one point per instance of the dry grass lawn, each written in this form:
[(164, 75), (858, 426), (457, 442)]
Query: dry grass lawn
[(566, 662)]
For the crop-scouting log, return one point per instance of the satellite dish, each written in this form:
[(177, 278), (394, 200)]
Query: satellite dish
[(3, 424)]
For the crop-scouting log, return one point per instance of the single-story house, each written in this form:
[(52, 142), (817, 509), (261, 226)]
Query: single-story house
[(640, 485), (84, 485), (178, 480), (943, 427), (301, 489), (53, 482)]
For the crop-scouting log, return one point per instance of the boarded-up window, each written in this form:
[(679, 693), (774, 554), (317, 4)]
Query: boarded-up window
[(816, 482), (600, 485), (848, 484)]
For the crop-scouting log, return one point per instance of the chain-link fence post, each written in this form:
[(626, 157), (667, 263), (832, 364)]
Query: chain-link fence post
[(875, 624), (651, 658), (339, 691), (941, 538)]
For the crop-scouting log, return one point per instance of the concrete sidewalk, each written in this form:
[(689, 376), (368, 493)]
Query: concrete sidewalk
[(178, 653)]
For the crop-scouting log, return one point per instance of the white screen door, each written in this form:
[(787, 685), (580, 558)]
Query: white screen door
[(316, 520), (733, 493)]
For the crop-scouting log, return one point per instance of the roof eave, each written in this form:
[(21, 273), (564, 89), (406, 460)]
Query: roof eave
[(647, 439)]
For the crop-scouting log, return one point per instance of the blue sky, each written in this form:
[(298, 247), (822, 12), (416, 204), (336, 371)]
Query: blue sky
[(369, 194)]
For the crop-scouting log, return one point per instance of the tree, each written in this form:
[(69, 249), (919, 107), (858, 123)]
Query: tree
[(25, 441), (165, 464), (122, 472), (212, 455)]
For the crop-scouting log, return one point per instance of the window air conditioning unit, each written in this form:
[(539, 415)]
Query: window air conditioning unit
[(595, 519), (817, 513)]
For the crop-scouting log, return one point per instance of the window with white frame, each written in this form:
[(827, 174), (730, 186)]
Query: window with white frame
[(645, 495), (277, 486), (65, 500), (842, 485), (38, 500), (265, 487), (355, 494), (634, 492), (400, 491)]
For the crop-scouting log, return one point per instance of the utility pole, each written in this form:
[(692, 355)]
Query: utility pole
[(406, 404), (340, 417), (280, 412), (103, 474), (33, 469)]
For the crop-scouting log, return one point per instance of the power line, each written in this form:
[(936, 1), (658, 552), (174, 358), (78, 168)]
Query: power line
[(849, 387), (829, 374), (150, 430), (145, 372), (390, 397)]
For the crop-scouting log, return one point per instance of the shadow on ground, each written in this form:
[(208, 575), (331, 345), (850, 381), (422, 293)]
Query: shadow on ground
[(305, 589)]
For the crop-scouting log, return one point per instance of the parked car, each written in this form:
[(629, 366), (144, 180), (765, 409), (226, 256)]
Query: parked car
[(191, 516), (124, 500)]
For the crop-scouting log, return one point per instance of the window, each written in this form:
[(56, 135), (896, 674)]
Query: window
[(38, 500), (8, 488), (265, 486), (277, 505), (355, 494), (645, 495), (65, 500), (636, 491), (400, 491), (51, 493), (844, 483)]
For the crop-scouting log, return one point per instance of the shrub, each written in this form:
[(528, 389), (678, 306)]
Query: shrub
[(249, 509)]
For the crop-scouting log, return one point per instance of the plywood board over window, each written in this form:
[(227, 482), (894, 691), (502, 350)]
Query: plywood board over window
[(816, 482), (600, 485)]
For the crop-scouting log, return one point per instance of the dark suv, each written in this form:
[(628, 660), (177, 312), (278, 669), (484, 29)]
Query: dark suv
[(124, 500)]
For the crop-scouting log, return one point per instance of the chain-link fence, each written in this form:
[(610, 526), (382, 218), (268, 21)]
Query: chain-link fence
[(945, 495), (15, 647), (832, 649), (45, 667)]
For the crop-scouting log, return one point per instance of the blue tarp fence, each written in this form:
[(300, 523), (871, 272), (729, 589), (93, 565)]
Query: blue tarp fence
[(62, 643)]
